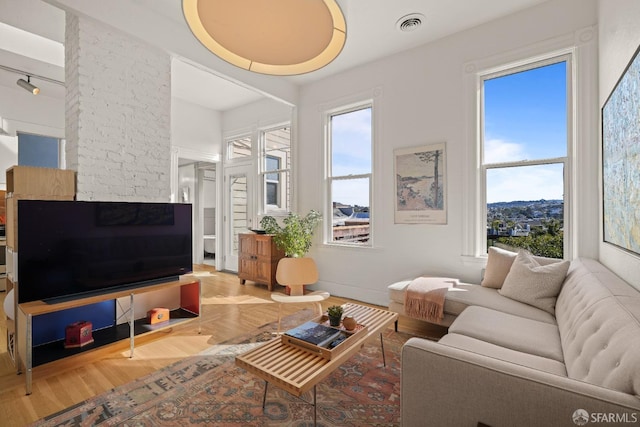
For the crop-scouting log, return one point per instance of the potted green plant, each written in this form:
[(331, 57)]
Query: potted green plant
[(294, 239), (295, 235), (335, 315)]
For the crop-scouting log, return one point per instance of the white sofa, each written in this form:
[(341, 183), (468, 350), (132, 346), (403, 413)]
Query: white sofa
[(505, 363)]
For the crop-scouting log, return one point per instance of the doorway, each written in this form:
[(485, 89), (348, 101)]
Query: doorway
[(197, 186), (238, 197)]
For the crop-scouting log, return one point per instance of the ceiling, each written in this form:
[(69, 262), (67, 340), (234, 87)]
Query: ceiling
[(32, 33)]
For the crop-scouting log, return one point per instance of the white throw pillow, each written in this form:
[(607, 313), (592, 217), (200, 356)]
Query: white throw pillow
[(498, 265), (532, 283)]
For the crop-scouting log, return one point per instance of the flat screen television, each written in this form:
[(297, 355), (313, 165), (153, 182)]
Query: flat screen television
[(68, 249)]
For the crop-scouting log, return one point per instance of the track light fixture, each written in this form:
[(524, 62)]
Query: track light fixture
[(26, 85)]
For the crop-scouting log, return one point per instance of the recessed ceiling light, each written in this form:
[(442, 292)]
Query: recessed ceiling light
[(410, 22)]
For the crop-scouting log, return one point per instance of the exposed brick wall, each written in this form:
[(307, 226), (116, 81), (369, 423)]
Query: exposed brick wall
[(118, 108)]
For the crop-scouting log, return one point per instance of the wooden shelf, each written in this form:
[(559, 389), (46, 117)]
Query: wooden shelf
[(53, 351), (28, 356), (36, 308)]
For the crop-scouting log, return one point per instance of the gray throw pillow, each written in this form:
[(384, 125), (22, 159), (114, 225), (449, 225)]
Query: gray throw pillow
[(532, 283)]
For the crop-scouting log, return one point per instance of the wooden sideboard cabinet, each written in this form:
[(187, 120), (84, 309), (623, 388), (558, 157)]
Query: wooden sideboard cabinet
[(258, 258)]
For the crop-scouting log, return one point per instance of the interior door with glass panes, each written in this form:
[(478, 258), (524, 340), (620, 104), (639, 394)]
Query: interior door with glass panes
[(238, 212)]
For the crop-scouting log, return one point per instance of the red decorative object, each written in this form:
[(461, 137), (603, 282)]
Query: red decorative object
[(78, 334), (157, 315)]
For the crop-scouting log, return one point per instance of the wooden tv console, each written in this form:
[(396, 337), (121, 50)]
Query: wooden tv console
[(28, 356)]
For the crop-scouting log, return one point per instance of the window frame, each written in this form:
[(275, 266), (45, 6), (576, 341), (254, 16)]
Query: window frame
[(566, 161), (330, 178), (276, 182), (230, 139), (286, 195)]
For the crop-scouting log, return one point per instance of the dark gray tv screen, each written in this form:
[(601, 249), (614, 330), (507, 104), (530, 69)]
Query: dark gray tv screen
[(68, 249)]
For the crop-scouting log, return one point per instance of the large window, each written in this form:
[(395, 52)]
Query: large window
[(525, 133), (275, 168), (349, 175)]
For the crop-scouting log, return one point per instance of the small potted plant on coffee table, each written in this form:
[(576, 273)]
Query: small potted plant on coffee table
[(335, 315)]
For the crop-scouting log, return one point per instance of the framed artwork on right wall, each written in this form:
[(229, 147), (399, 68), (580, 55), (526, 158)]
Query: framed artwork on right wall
[(621, 160)]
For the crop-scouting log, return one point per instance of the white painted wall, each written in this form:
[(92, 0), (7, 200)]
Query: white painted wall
[(8, 157), (195, 128), (419, 99), (210, 189), (118, 106), (35, 16), (261, 113), (24, 112), (619, 39)]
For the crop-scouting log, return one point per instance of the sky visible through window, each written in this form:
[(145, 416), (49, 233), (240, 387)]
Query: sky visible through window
[(351, 155), (526, 119)]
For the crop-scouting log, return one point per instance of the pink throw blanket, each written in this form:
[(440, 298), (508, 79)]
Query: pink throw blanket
[(424, 297)]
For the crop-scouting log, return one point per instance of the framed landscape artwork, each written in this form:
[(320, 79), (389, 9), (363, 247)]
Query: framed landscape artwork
[(621, 160), (420, 185)]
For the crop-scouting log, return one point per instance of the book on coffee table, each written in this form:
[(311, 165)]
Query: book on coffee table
[(315, 333)]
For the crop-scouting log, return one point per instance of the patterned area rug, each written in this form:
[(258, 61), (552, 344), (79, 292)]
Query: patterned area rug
[(209, 390)]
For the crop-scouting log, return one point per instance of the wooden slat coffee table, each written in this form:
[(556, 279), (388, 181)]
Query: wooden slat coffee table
[(296, 370)]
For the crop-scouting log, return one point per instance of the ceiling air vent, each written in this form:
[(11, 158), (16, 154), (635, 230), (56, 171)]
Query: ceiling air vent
[(410, 22)]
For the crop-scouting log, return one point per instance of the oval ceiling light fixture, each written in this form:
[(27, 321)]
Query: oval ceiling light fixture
[(278, 37), (410, 22)]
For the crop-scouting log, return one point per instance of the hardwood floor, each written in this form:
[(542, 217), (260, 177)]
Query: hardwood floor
[(229, 309)]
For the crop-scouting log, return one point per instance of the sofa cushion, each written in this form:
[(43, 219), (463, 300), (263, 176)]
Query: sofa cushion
[(498, 265), (465, 295), (534, 284), (396, 290), (477, 346), (603, 348), (509, 331), (587, 282)]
